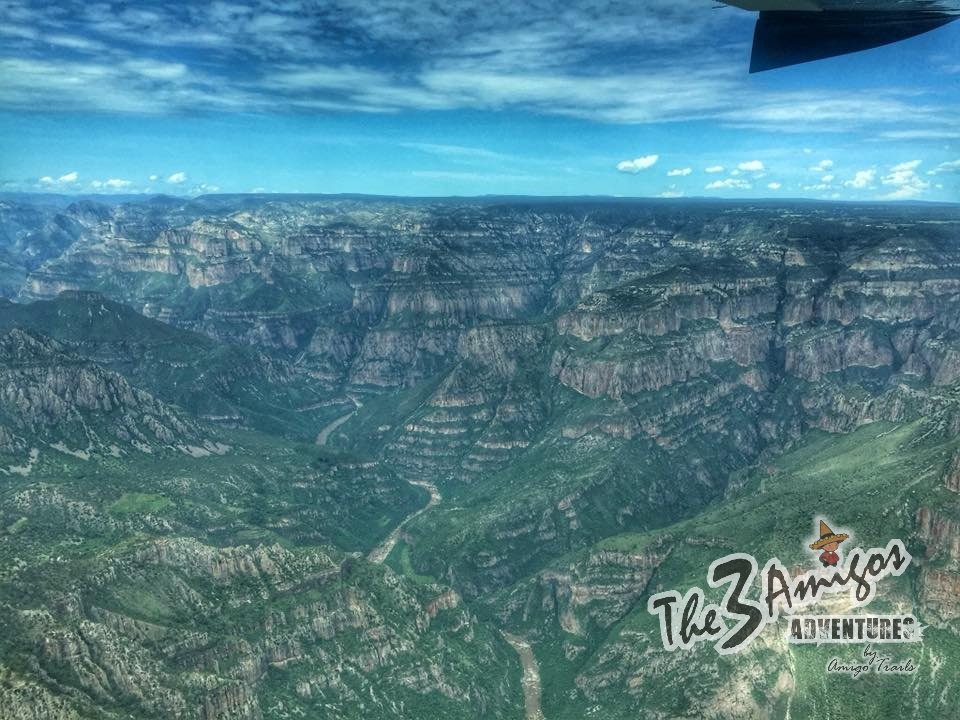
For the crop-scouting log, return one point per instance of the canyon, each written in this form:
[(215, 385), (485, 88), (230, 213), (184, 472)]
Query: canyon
[(229, 421)]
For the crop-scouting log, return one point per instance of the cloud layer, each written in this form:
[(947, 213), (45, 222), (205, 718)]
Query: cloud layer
[(598, 59), (667, 78)]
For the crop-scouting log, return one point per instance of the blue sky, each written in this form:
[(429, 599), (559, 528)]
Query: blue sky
[(467, 97)]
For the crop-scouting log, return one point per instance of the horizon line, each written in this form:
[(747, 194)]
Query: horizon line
[(129, 197)]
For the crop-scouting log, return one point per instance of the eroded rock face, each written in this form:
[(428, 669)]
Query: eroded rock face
[(941, 535), (940, 576), (569, 370), (25, 699), (53, 397), (33, 233), (951, 478), (379, 294), (502, 331), (939, 590), (589, 596), (327, 635)]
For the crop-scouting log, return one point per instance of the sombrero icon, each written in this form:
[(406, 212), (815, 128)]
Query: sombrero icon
[(827, 536)]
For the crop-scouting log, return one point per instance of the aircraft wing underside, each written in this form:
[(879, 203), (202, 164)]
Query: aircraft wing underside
[(790, 32)]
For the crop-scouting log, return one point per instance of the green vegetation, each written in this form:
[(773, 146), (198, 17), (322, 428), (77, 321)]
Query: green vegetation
[(135, 502), (608, 395), (227, 383), (872, 481), (399, 561), (17, 526)]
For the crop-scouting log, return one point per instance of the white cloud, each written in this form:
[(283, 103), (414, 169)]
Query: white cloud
[(863, 179), (907, 166), (951, 167), (474, 55), (111, 184), (905, 181), (944, 133), (822, 166), (66, 179), (904, 192), (680, 172), (637, 164), (752, 166), (828, 178), (154, 70), (74, 42), (774, 185), (460, 152), (672, 192), (729, 184), (177, 178), (153, 178), (715, 169), (819, 111)]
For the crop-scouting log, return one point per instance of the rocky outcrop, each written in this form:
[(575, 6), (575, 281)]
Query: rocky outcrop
[(938, 592), (177, 628), (77, 407), (227, 384), (34, 233), (22, 698), (940, 534), (588, 596), (939, 581), (951, 476), (272, 564)]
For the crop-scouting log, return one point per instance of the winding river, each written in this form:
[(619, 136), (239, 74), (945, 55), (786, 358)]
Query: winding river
[(380, 552), (531, 671)]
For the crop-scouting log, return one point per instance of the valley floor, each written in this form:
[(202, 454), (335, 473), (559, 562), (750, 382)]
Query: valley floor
[(381, 551), (531, 676)]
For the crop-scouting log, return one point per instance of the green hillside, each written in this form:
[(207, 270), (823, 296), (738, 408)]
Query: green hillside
[(587, 612)]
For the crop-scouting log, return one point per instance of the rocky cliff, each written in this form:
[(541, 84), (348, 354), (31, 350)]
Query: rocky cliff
[(244, 632), (51, 397), (230, 385)]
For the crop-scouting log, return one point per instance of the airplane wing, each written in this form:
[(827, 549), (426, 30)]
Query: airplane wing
[(790, 32)]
